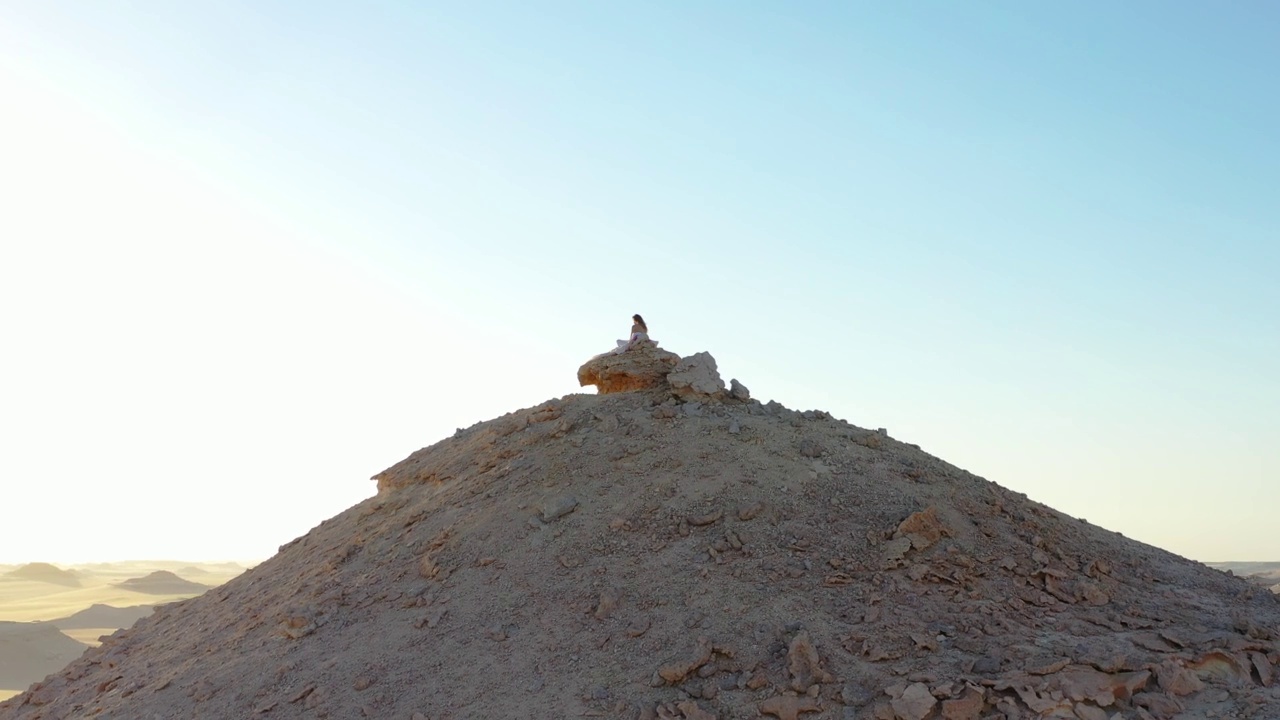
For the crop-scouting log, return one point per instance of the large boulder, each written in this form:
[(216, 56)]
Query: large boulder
[(696, 378), (643, 367)]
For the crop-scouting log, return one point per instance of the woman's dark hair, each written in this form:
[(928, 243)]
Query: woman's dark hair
[(640, 320)]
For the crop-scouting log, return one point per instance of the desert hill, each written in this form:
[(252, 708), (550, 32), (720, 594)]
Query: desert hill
[(161, 582), (99, 615), (30, 651), (44, 572), (680, 551)]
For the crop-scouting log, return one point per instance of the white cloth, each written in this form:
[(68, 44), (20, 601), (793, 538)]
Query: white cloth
[(625, 345)]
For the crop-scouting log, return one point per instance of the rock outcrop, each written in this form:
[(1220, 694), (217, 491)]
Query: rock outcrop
[(644, 367), (647, 368), (696, 378), (629, 555)]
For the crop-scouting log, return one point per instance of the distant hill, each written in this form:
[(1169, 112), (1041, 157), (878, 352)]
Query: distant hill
[(1265, 574), (103, 616), (30, 651), (162, 582), (44, 572), (1248, 568)]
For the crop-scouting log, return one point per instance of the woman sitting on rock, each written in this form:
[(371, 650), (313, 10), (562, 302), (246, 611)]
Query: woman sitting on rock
[(639, 334)]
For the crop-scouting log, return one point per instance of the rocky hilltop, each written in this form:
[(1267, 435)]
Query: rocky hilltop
[(677, 550)]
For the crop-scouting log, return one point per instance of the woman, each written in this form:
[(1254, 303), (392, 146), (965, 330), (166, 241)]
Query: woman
[(639, 334)]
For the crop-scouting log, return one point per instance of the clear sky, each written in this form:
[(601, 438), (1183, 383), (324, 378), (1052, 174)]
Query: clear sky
[(252, 253)]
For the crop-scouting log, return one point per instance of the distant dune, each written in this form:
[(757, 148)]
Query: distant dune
[(30, 651), (44, 572), (103, 616), (162, 582)]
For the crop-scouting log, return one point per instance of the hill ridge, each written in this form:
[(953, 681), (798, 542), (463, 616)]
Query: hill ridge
[(633, 555)]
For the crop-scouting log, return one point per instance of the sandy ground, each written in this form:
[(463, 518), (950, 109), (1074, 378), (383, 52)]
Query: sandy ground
[(23, 600)]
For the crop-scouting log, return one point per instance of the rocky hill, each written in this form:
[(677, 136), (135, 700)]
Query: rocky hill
[(680, 551), (30, 651), (161, 582), (100, 615), (44, 572)]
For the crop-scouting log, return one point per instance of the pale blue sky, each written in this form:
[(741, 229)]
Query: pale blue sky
[(253, 252)]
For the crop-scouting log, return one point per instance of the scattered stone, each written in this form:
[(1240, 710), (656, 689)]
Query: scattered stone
[(915, 703), (556, 507), (895, 550), (1089, 712), (675, 672), (856, 694), (749, 512), (1160, 705), (1175, 679), (789, 707), (1263, 666), (1046, 665), (692, 711), (299, 695), (703, 520), (987, 665), (431, 619), (1152, 641), (608, 603), (1221, 666), (922, 528), (926, 641), (738, 391), (966, 707), (804, 665), (1091, 594), (810, 449)]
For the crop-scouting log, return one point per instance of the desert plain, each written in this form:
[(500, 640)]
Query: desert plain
[(51, 612)]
